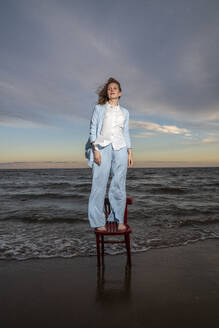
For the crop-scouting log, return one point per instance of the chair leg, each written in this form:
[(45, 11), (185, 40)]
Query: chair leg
[(102, 242), (127, 242), (98, 249)]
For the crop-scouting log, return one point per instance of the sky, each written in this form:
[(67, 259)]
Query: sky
[(54, 55)]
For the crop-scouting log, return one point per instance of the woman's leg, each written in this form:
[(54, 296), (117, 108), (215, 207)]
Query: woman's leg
[(117, 190), (100, 176)]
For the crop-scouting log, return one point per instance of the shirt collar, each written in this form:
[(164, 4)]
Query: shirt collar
[(108, 104)]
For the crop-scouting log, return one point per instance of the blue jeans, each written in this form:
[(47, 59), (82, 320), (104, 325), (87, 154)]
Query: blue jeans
[(116, 162)]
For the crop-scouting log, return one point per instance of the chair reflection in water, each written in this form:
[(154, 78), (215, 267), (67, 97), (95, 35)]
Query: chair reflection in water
[(116, 288), (112, 230)]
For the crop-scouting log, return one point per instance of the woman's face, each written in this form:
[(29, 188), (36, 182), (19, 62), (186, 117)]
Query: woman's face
[(113, 91)]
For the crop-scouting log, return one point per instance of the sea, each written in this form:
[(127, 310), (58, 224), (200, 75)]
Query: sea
[(43, 212)]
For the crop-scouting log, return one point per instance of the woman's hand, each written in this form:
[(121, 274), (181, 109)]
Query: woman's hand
[(97, 157), (130, 159)]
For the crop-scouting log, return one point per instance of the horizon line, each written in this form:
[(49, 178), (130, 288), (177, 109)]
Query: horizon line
[(83, 164)]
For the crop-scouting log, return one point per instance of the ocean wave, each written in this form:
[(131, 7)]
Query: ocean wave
[(78, 218), (191, 222), (70, 249), (160, 210), (169, 190), (32, 196), (34, 185), (47, 186)]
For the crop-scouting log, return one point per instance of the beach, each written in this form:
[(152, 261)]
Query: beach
[(166, 287)]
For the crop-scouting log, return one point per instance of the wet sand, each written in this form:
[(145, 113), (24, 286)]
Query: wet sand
[(170, 287)]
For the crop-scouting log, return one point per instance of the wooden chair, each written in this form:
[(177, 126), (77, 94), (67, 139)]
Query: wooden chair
[(112, 230)]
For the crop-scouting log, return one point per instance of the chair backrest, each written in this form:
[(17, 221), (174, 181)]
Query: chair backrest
[(108, 208)]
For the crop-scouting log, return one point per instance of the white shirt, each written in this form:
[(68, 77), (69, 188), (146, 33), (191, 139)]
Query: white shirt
[(112, 128)]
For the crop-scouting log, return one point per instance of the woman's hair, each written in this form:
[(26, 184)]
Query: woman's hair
[(102, 91)]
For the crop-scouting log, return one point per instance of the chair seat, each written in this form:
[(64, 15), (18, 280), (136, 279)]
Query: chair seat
[(112, 229)]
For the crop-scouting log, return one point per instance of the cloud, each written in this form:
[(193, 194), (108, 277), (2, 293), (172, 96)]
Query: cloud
[(55, 54), (167, 129), (22, 123), (210, 140), (143, 134)]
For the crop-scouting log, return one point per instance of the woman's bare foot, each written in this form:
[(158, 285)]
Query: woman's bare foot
[(101, 228), (121, 226)]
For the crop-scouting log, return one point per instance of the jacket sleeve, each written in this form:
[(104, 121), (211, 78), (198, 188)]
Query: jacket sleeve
[(93, 124), (126, 131)]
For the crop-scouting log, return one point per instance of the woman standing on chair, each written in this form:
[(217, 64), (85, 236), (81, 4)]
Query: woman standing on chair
[(110, 152)]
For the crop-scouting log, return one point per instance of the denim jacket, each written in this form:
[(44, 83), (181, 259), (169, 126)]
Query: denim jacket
[(95, 129)]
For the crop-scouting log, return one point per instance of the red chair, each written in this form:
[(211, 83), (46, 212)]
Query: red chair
[(112, 230)]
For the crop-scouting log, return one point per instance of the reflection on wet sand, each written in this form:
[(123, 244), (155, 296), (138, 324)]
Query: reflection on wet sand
[(112, 286)]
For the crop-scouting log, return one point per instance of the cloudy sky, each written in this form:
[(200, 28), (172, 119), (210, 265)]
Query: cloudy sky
[(54, 54)]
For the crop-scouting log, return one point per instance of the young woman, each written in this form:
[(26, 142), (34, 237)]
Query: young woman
[(109, 152)]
